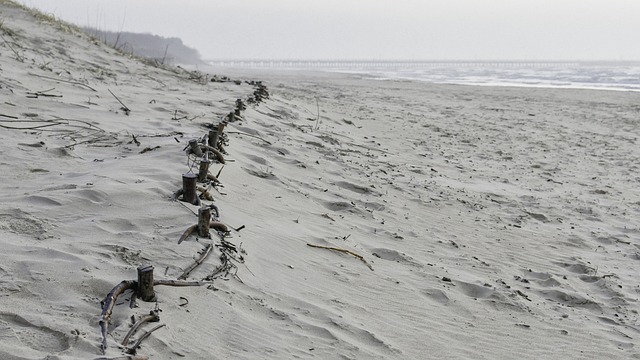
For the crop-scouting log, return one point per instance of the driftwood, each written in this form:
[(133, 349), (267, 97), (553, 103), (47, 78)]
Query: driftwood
[(343, 251), (215, 211), (107, 308), (217, 154), (214, 179), (205, 193), (132, 350), (109, 302), (152, 317), (200, 149), (218, 226), (190, 230), (197, 262), (215, 225)]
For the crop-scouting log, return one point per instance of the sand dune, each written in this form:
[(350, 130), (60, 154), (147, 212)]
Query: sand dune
[(499, 223)]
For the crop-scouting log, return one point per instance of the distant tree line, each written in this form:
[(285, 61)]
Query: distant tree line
[(158, 48)]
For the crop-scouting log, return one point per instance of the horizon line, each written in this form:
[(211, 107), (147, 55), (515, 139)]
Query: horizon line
[(419, 60)]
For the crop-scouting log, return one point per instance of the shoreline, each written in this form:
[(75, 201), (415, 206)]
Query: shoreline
[(382, 75)]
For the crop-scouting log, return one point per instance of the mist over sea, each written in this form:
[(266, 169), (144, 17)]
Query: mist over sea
[(604, 75)]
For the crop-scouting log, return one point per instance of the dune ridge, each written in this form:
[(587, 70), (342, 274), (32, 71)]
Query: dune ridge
[(499, 222)]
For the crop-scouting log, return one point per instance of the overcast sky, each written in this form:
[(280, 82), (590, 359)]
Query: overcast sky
[(375, 29)]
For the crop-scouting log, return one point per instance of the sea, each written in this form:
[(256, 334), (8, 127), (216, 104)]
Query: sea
[(601, 75)]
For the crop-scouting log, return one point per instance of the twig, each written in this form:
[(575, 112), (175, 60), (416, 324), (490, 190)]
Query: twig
[(124, 107), (132, 350), (249, 135), (108, 305), (128, 357), (37, 94), (147, 149), (219, 172), (344, 251), (64, 81), (9, 116), (152, 317), (197, 262)]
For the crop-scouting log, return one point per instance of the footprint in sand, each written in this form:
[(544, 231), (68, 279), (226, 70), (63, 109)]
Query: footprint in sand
[(17, 331), (20, 222)]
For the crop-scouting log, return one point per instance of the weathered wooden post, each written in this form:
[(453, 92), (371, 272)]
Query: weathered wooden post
[(204, 168), (189, 188), (145, 283), (213, 138), (221, 126), (204, 219), (195, 147)]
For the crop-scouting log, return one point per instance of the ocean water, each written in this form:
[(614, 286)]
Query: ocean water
[(604, 75)]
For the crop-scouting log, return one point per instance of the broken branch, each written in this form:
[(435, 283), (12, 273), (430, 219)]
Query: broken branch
[(197, 262), (152, 317), (107, 309), (132, 350)]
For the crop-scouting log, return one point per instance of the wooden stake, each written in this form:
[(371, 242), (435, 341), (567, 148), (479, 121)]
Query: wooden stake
[(145, 283), (204, 169), (213, 138), (195, 147), (221, 126), (204, 219), (189, 193)]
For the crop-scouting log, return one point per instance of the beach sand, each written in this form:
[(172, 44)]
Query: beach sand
[(498, 223)]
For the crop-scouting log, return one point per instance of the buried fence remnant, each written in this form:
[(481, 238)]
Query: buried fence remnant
[(204, 220), (145, 283)]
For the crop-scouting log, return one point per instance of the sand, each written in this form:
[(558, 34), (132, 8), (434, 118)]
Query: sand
[(500, 223)]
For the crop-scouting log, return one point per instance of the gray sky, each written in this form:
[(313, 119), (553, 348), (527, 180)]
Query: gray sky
[(375, 29)]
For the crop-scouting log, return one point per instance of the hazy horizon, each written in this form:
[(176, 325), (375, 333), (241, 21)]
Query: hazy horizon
[(491, 30)]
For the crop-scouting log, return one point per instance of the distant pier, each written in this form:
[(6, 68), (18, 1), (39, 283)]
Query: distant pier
[(412, 64)]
